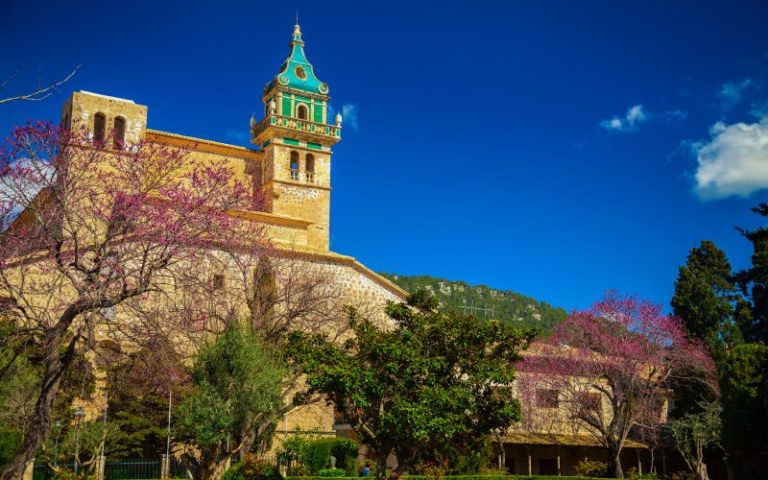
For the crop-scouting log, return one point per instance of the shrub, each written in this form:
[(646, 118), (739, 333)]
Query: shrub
[(305, 455), (233, 472), (345, 452), (591, 468), (252, 468), (316, 455), (331, 472), (10, 439)]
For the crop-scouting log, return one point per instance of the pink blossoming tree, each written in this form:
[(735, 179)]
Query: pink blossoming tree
[(85, 229), (607, 371)]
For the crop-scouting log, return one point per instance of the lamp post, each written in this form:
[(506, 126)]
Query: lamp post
[(79, 414), (56, 445)]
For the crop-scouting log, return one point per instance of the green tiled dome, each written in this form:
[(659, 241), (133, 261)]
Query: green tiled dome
[(296, 71)]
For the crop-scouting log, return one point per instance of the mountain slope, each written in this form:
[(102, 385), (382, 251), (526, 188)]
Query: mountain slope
[(483, 301)]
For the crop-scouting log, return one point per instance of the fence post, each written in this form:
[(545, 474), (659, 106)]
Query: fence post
[(101, 461), (165, 465)]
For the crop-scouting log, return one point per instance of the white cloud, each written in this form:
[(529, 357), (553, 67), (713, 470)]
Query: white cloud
[(635, 116), (734, 162), (731, 93), (349, 116)]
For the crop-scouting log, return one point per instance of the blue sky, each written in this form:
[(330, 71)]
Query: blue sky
[(558, 149)]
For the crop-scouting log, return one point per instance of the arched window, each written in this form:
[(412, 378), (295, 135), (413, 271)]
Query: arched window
[(309, 166), (301, 112), (119, 140), (99, 128), (294, 165)]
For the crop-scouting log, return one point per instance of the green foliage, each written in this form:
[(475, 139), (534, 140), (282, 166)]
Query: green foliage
[(238, 381), (344, 451), (754, 281), (252, 468), (465, 477), (729, 312), (507, 306), (694, 432), (422, 386), (469, 456), (314, 453), (591, 468), (19, 377), (331, 472), (705, 297), (10, 439), (238, 378)]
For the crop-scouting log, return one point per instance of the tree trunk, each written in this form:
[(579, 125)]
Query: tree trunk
[(701, 471), (40, 424), (381, 466), (502, 452), (614, 463)]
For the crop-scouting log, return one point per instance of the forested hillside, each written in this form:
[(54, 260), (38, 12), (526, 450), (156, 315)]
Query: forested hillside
[(483, 301)]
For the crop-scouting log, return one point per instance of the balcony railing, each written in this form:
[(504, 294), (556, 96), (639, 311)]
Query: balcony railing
[(331, 131), (298, 175)]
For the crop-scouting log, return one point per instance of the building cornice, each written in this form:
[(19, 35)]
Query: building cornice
[(270, 218), (203, 145)]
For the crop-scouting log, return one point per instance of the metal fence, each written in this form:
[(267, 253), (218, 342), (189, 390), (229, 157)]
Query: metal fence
[(132, 470), (135, 469)]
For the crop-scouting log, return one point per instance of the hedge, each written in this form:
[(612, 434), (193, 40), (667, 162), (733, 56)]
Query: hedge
[(460, 477)]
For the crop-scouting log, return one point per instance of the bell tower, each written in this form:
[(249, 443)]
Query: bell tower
[(296, 138)]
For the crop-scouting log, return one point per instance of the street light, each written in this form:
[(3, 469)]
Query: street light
[(56, 445), (79, 414)]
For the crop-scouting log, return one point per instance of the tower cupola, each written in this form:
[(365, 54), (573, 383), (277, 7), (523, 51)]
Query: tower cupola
[(296, 104), (296, 72)]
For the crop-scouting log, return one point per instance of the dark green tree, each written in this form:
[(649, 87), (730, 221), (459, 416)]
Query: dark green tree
[(744, 385), (730, 313), (705, 295), (237, 379), (754, 281), (427, 381)]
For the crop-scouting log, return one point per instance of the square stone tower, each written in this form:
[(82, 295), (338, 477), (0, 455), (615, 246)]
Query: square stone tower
[(296, 139), (107, 119)]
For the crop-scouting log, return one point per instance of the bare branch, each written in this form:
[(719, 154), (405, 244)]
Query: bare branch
[(41, 93)]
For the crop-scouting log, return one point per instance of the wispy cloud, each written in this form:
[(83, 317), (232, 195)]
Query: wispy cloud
[(349, 114), (628, 122), (638, 114), (732, 92), (734, 162)]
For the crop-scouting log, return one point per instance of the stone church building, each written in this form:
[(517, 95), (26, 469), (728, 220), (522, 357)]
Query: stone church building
[(291, 163)]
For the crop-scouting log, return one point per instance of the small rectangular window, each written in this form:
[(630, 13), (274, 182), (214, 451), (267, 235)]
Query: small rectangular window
[(546, 398), (218, 282)]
